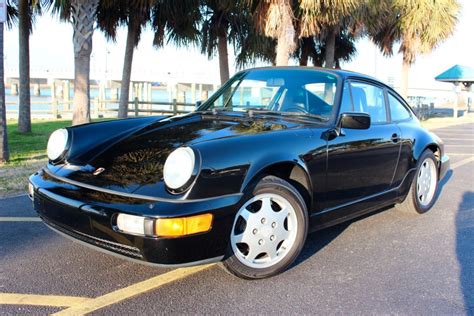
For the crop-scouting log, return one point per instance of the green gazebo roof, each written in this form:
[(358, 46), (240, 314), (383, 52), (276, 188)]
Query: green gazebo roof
[(457, 73)]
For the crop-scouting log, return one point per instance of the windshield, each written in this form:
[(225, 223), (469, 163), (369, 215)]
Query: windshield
[(278, 90)]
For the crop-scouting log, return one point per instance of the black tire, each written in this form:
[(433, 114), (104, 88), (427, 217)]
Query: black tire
[(411, 204), (276, 186)]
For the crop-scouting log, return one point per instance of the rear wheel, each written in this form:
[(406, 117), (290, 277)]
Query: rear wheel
[(269, 230), (421, 196)]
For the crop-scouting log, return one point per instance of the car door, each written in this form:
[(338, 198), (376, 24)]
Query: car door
[(361, 163)]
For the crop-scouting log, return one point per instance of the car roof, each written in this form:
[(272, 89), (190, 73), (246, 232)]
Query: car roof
[(343, 74)]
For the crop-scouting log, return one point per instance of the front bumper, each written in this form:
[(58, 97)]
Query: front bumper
[(87, 216), (444, 166)]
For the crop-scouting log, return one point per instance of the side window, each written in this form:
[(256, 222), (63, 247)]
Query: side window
[(398, 111), (369, 99), (346, 102)]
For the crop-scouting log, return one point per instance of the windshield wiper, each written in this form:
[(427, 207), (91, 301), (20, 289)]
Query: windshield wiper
[(302, 115)]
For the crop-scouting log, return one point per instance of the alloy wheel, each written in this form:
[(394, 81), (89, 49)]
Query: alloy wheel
[(264, 230)]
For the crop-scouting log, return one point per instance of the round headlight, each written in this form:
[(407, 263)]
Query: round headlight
[(57, 143), (179, 167)]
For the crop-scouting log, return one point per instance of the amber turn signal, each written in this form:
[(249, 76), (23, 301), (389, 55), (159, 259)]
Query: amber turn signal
[(182, 226)]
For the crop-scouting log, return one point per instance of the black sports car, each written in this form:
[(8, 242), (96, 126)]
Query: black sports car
[(272, 155)]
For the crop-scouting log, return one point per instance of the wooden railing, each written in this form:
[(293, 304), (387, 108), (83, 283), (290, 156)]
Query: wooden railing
[(60, 109)]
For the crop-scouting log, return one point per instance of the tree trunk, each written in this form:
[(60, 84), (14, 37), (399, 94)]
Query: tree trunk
[(132, 36), (286, 43), (223, 56), (305, 49), (4, 153), (83, 18), (285, 46), (330, 47), (404, 83), (24, 111)]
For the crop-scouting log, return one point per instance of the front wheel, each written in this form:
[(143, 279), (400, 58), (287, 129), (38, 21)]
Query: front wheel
[(269, 230), (421, 196)]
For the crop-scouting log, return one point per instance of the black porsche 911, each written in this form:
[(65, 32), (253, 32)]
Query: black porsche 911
[(272, 155)]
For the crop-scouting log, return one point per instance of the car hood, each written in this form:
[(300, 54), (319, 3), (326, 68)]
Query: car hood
[(134, 163)]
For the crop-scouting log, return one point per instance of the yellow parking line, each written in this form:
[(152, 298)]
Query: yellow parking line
[(20, 219), (132, 290), (41, 300), (462, 162)]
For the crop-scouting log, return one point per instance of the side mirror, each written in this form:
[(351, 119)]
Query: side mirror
[(353, 120), (198, 103)]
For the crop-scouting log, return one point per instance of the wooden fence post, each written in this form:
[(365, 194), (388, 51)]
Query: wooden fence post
[(55, 109), (136, 106), (175, 107)]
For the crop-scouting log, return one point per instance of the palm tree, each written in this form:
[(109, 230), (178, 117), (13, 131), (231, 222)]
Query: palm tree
[(285, 20), (326, 18), (424, 25), (251, 45), (4, 152), (135, 14), (82, 15), (275, 19), (222, 22), (315, 49), (27, 9), (177, 22), (419, 26)]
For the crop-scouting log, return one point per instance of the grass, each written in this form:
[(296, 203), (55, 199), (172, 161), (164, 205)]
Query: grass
[(31, 147), (27, 154)]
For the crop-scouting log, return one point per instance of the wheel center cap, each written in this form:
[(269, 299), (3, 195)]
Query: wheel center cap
[(266, 231)]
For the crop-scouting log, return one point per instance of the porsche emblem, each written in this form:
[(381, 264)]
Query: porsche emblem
[(98, 171)]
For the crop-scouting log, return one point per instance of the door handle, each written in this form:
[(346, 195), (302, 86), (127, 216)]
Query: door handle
[(395, 138)]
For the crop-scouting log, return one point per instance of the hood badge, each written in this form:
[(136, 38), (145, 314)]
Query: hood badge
[(98, 171)]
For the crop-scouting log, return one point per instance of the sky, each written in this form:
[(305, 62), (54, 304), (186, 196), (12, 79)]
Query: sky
[(51, 52)]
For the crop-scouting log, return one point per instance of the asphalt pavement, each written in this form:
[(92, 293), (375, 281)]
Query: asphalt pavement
[(385, 263)]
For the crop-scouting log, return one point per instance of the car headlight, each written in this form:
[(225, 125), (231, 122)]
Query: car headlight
[(57, 143), (179, 167)]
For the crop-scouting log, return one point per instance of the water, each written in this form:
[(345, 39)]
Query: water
[(157, 95)]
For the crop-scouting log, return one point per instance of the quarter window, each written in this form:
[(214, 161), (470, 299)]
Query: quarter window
[(369, 99), (346, 103), (398, 111)]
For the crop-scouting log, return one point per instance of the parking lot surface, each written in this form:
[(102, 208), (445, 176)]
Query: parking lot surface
[(387, 262)]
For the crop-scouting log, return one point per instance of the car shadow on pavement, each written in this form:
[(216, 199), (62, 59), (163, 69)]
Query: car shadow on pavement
[(320, 239), (442, 183), (465, 249)]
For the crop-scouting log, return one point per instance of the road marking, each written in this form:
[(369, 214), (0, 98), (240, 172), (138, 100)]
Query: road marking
[(41, 300), (132, 290), (20, 219), (462, 162)]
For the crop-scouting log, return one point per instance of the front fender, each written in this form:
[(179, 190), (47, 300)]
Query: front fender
[(229, 165)]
